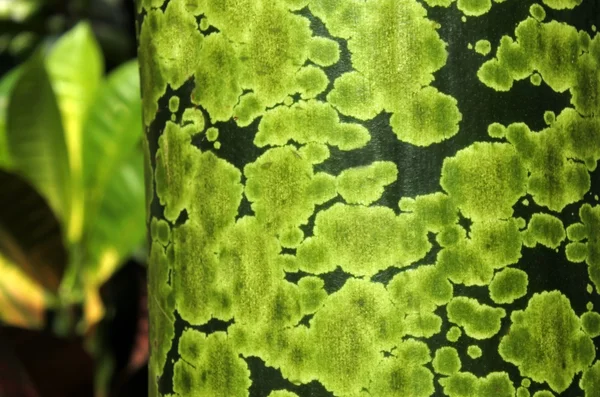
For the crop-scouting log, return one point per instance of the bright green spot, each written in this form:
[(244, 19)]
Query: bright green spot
[(350, 94), (557, 51), (422, 325), (562, 4), (212, 134), (249, 108), (590, 381), (389, 77), (536, 79), (590, 321), (204, 25), (310, 121), (160, 231), (576, 232), (312, 294), (217, 73), (496, 384), (453, 333), (362, 240), (349, 332), (208, 218), (526, 382), (316, 153), (179, 166), (291, 238), (364, 185), (288, 263), (461, 384), (555, 180), (311, 81), (161, 310), (474, 7), (493, 245), (479, 321), (404, 374), (435, 210), (255, 284), (576, 252), (446, 361), (430, 117), (217, 145), (420, 290), (549, 117), (439, 3), (495, 76), (523, 392), (543, 393), (216, 357), (276, 47), (590, 289), (483, 47), (581, 136), (193, 118), (590, 250), (544, 229), (496, 130), (173, 104), (465, 384), (272, 45), (474, 351), (451, 235), (584, 40), (537, 11), (589, 306), (148, 4), (546, 341), (508, 285), (282, 205), (323, 51), (485, 180), (282, 393), (162, 46)]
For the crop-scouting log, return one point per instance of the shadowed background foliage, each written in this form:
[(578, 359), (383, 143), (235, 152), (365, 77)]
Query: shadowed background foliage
[(72, 251)]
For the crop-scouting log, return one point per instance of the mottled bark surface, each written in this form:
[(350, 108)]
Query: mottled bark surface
[(372, 198)]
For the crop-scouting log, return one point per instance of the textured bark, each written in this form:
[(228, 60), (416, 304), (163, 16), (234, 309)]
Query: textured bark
[(372, 198)]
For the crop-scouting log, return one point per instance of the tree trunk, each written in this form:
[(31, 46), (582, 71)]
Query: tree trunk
[(372, 198)]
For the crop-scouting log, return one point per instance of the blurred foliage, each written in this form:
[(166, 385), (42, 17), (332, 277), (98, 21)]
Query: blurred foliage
[(25, 24), (72, 187)]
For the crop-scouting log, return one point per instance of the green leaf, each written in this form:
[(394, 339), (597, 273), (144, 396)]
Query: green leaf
[(112, 132), (120, 226), (6, 85), (30, 234), (35, 137), (75, 67)]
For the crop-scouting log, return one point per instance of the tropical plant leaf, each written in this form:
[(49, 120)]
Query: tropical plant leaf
[(6, 84), (120, 225), (30, 234), (112, 131), (75, 67), (35, 137)]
